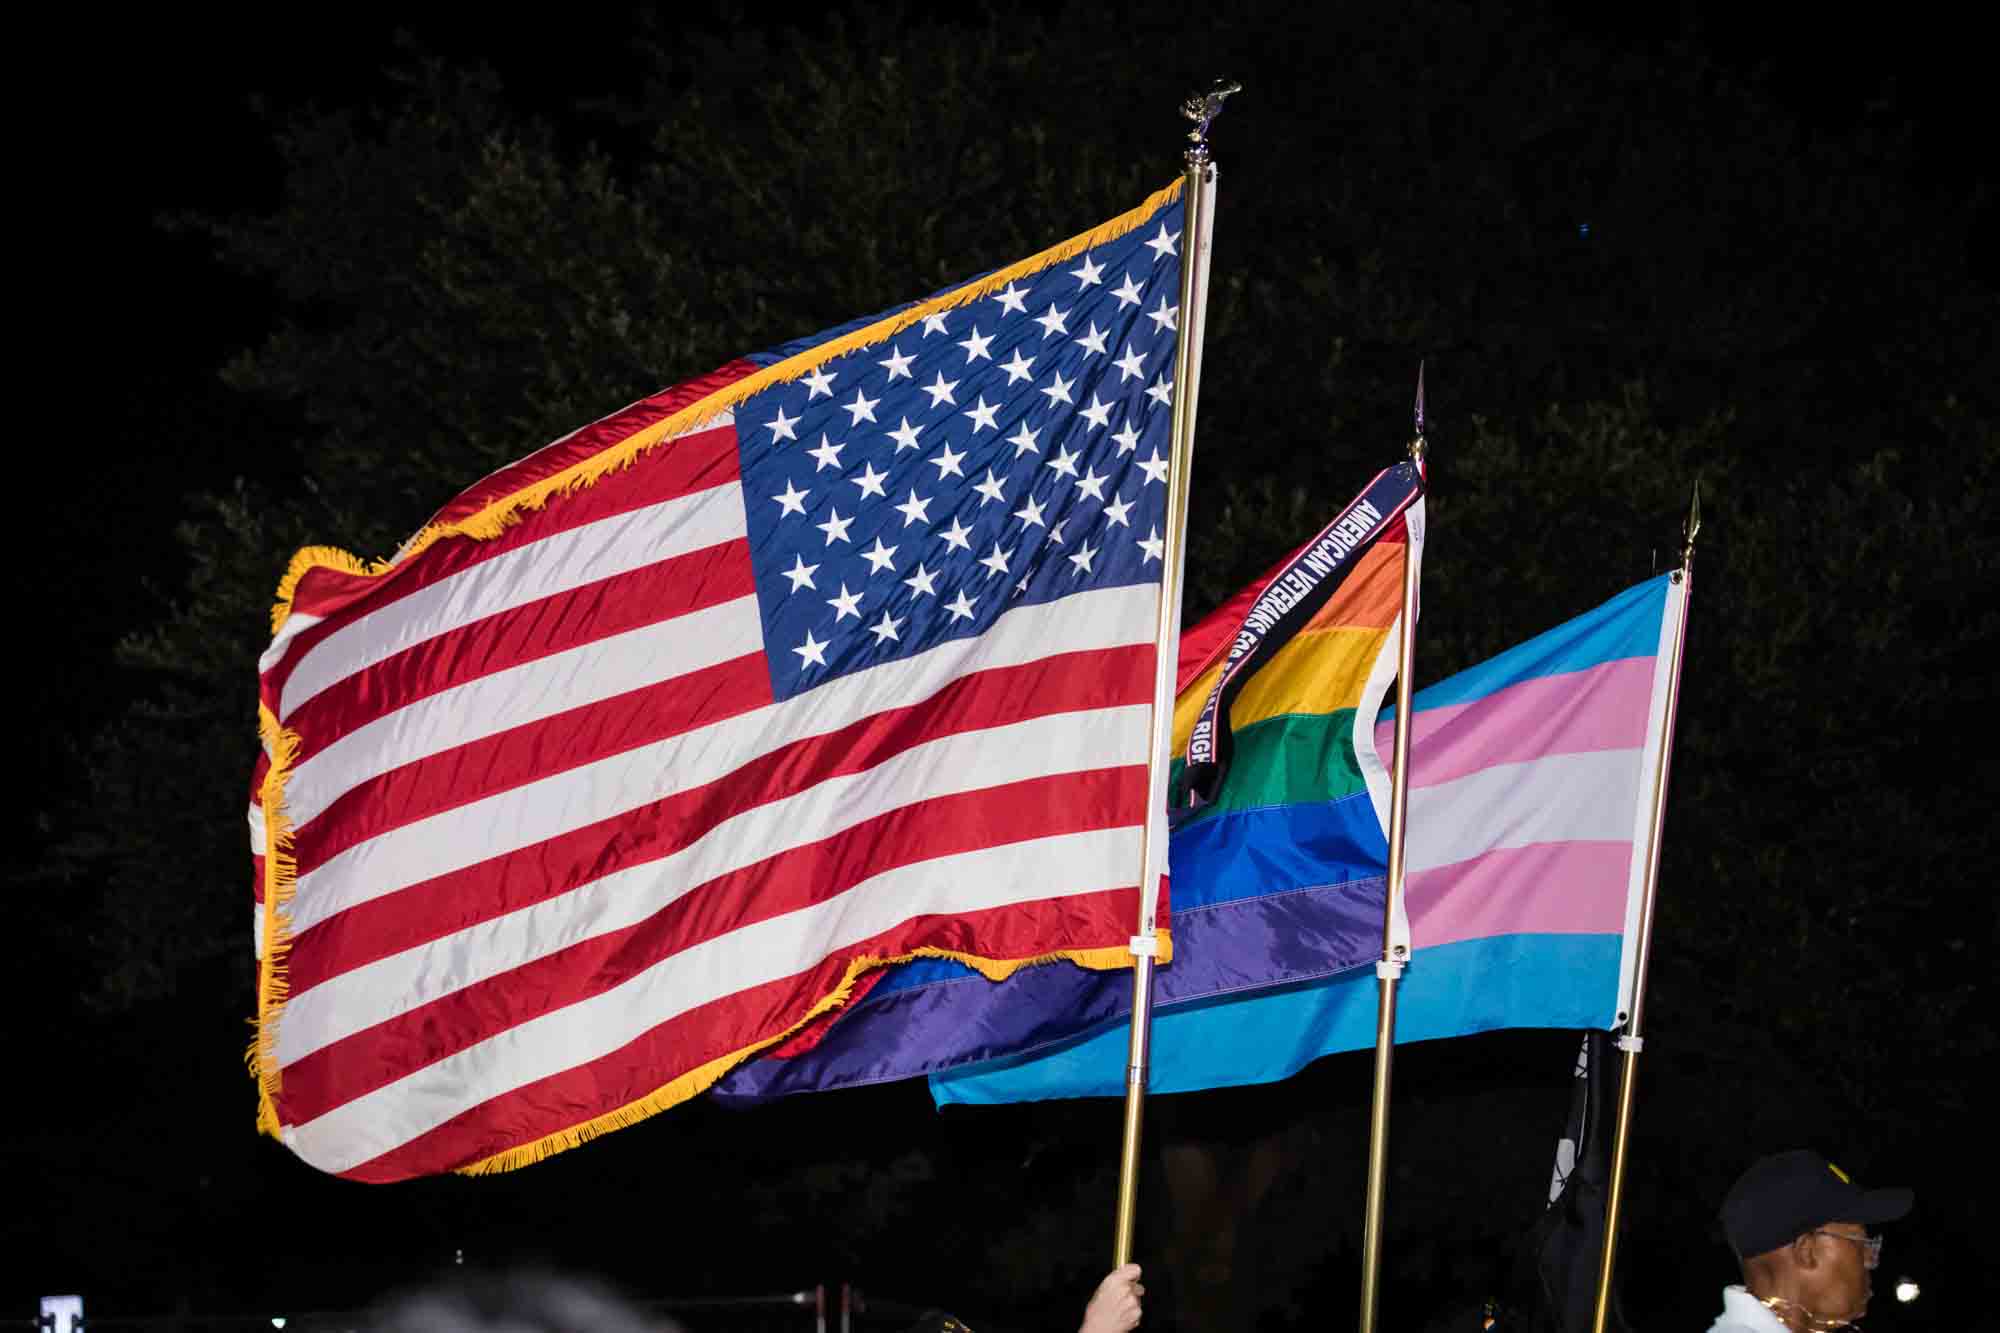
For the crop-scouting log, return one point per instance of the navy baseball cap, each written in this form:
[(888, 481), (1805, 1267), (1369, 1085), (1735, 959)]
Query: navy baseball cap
[(1785, 1195)]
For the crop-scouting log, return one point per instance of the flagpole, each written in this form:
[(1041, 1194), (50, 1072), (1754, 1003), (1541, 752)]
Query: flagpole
[(1395, 948), (1632, 1042), (1198, 198)]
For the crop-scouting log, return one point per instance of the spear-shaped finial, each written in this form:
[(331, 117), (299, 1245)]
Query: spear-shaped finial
[(1691, 527), (1202, 109), (1418, 446)]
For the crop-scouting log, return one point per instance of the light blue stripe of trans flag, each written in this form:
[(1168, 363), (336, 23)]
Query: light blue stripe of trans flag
[(1470, 986), (1626, 626), (1506, 981)]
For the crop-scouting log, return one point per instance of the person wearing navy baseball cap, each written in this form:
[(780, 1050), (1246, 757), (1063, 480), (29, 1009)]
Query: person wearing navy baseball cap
[(1799, 1226)]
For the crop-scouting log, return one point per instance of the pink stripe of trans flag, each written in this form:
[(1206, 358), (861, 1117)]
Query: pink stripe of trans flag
[(1549, 888), (1598, 708), (1520, 806)]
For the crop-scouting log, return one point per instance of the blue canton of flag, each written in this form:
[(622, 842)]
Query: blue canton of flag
[(1007, 451)]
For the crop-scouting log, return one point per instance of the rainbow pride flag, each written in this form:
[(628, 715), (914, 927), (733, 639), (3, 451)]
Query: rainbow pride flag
[(1530, 814), (1278, 880)]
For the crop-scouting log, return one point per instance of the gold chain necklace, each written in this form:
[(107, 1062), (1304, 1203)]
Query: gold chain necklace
[(1812, 1323)]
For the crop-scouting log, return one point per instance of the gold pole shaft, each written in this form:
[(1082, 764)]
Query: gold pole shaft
[(1633, 1040), (1196, 229), (1614, 1201), (1135, 1108), (1394, 952), (1378, 1149)]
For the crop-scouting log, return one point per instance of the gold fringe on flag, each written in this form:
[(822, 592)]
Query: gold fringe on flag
[(281, 870), (699, 1080), (308, 558), (281, 875)]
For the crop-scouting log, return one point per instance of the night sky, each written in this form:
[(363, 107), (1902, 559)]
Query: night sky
[(134, 1174)]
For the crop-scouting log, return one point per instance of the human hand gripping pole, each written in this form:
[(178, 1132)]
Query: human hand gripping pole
[(1115, 1305)]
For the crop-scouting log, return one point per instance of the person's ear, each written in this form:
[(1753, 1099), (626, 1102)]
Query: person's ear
[(1805, 1252)]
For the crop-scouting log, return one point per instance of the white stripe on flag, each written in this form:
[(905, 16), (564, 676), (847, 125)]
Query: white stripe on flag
[(257, 833), (970, 761), (520, 695), (559, 563), (296, 623), (1558, 798), (537, 811), (381, 1120)]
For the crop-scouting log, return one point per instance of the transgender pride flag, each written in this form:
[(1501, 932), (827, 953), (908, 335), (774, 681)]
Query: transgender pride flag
[(1529, 820)]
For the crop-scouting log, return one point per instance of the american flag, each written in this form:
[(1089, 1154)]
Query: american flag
[(653, 745)]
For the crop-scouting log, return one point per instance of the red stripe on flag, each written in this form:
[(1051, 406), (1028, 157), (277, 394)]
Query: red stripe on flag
[(787, 882), (567, 740), (391, 923), (648, 596), (575, 1096), (692, 463), (592, 440)]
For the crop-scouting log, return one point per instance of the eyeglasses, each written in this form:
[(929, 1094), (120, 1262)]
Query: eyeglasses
[(1871, 1246)]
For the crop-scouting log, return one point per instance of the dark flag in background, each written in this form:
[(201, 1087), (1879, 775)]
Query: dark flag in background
[(1560, 1259)]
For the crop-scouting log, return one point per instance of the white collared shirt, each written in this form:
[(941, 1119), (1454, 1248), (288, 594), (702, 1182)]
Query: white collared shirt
[(1744, 1313)]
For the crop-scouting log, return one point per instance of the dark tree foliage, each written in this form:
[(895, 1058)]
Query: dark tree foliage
[(1626, 267)]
